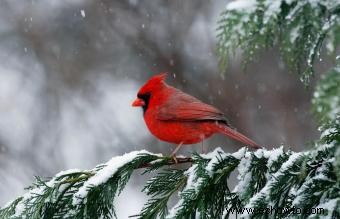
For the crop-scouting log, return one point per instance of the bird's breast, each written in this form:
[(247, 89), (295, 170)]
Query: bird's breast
[(186, 132)]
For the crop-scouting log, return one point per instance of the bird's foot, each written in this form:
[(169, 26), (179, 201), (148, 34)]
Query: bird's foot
[(203, 151), (173, 154), (174, 158)]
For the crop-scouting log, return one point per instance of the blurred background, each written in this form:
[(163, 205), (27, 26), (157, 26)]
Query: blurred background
[(69, 71)]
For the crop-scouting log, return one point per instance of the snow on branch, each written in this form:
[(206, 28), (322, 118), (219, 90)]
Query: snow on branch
[(267, 178), (298, 27), (83, 194)]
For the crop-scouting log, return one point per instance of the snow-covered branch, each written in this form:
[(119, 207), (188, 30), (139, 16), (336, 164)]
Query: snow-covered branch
[(298, 27), (266, 178)]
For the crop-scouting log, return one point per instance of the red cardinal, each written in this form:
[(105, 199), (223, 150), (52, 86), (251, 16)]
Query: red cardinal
[(174, 116)]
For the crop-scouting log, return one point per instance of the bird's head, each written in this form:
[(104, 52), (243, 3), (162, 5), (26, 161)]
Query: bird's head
[(144, 94)]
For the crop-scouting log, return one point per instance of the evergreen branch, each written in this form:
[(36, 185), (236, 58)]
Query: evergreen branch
[(83, 194), (297, 27), (326, 101), (267, 178), (161, 188), (165, 161), (207, 177)]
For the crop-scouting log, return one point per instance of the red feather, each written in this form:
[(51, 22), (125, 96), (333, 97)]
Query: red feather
[(174, 116), (183, 107)]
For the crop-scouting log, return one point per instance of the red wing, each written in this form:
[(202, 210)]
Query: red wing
[(183, 107)]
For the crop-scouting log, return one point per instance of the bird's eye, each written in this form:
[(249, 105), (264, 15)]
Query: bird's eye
[(144, 97)]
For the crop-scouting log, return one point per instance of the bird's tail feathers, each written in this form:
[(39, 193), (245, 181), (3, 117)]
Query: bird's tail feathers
[(224, 129)]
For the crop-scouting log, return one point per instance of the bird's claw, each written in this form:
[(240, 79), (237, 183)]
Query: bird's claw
[(173, 154), (174, 158)]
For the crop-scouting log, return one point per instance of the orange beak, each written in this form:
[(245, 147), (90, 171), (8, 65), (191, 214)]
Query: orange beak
[(138, 102)]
